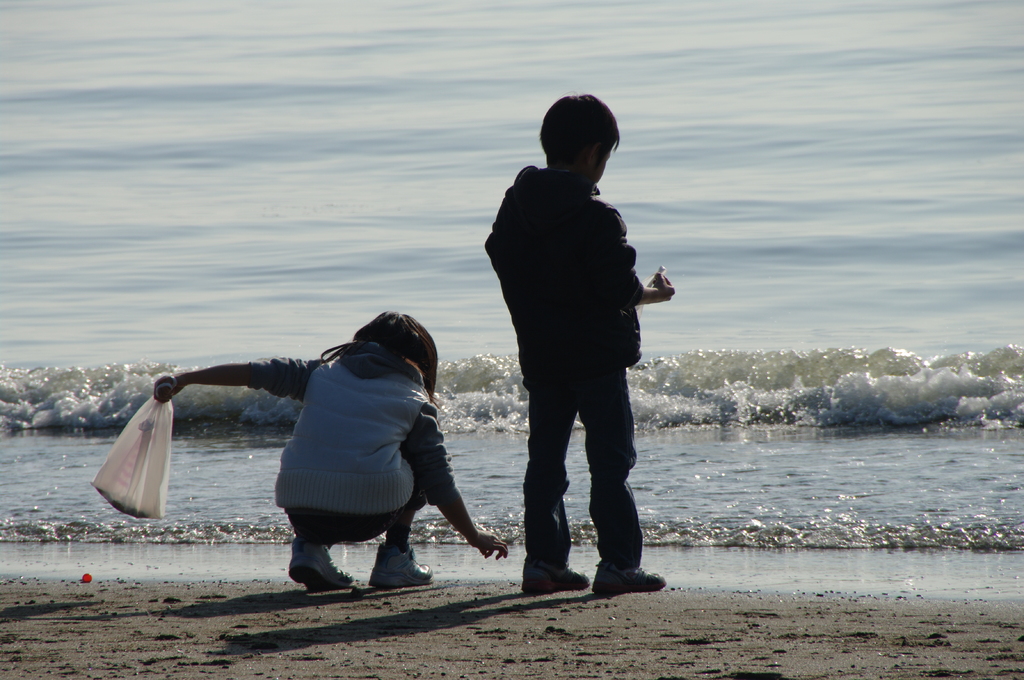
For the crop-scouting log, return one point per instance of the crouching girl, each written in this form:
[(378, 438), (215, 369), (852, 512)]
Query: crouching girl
[(366, 453)]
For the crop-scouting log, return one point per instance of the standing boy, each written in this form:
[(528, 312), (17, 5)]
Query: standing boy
[(567, 276)]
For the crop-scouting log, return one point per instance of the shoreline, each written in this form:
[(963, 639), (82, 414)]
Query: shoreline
[(491, 630), (932, 574)]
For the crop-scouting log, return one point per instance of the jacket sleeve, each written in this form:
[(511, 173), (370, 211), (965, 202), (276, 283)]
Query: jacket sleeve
[(609, 261), (429, 459), (282, 377)]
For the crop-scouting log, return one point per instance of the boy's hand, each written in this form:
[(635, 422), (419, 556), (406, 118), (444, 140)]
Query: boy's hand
[(488, 544), (660, 290)]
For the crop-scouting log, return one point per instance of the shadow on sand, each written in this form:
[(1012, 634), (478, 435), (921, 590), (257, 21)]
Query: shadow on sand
[(378, 616)]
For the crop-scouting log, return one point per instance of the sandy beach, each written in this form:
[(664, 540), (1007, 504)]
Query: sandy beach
[(262, 629)]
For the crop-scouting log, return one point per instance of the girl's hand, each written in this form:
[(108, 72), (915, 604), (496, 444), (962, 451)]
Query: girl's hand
[(224, 375), (166, 387), (488, 544)]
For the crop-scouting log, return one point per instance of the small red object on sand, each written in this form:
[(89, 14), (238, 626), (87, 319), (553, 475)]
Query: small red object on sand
[(86, 578)]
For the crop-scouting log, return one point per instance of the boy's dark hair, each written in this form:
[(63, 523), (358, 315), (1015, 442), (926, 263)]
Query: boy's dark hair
[(575, 122), (401, 335)]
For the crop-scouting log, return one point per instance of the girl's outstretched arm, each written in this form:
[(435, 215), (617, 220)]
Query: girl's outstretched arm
[(487, 543), (227, 375)]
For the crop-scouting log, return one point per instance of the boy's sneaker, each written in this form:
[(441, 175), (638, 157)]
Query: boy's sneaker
[(397, 569), (311, 566), (541, 577), (611, 579)]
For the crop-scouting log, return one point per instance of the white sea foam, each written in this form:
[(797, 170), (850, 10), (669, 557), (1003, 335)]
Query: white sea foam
[(754, 534), (849, 388)]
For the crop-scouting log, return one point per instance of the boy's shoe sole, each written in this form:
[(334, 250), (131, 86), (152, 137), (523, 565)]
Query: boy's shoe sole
[(539, 577), (613, 581), (620, 588), (547, 586)]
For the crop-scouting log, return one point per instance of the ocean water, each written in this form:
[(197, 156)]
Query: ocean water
[(917, 457), (834, 189)]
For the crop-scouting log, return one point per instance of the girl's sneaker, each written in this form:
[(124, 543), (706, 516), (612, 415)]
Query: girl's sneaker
[(541, 577), (396, 569), (611, 579), (311, 566)]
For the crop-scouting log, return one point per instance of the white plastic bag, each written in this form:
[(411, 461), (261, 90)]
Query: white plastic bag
[(647, 284), (134, 476)]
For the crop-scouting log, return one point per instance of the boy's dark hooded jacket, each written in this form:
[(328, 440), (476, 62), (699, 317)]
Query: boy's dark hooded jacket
[(567, 276)]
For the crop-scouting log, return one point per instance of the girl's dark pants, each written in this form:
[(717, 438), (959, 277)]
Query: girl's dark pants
[(327, 529), (604, 409)]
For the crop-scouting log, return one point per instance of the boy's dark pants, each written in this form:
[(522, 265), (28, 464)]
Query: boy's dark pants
[(603, 407)]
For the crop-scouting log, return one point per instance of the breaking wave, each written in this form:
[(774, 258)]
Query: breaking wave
[(820, 388)]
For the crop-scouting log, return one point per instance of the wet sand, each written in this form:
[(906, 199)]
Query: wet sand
[(457, 629), (934, 574)]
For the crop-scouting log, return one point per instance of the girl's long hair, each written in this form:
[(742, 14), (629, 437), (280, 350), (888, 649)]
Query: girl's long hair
[(402, 335)]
